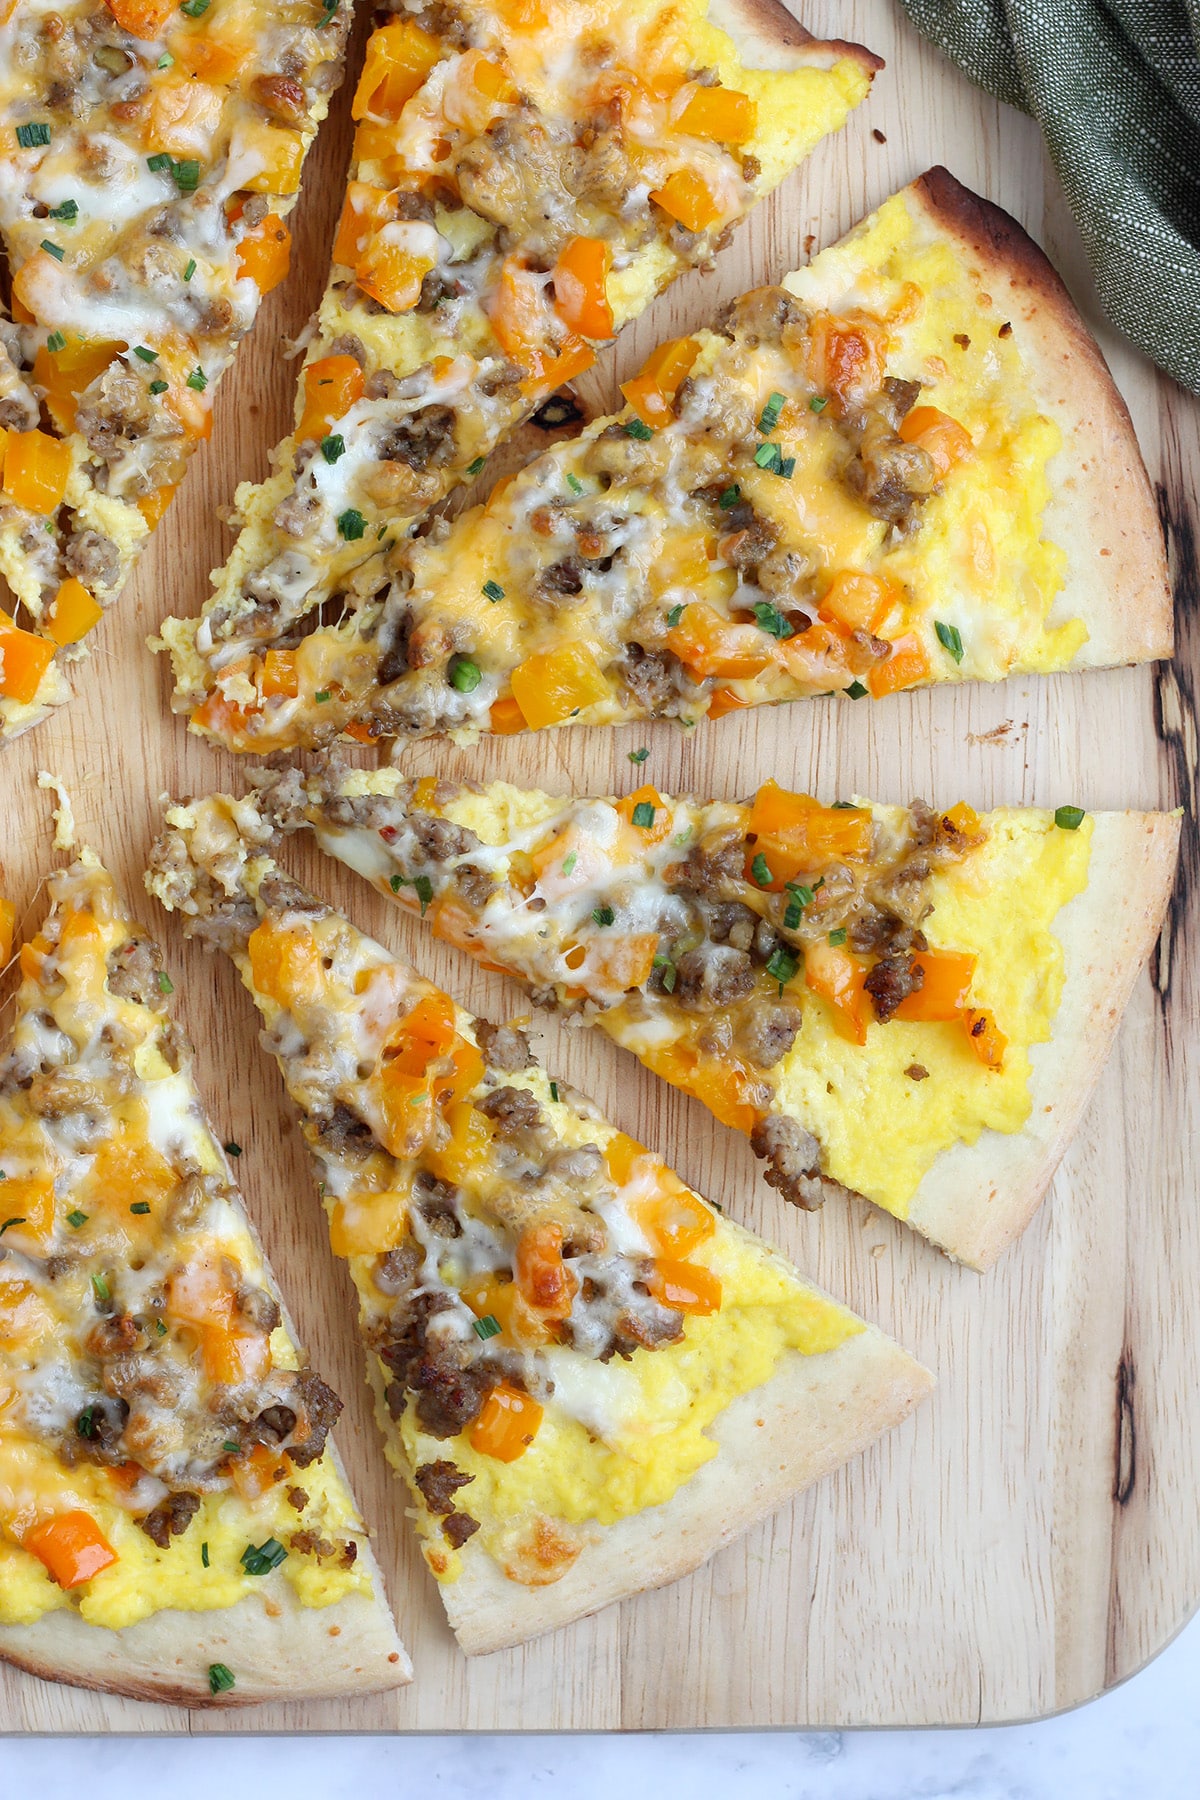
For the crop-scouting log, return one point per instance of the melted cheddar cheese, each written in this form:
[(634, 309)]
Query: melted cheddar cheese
[(553, 1319), (523, 185), (149, 156), (154, 1413)]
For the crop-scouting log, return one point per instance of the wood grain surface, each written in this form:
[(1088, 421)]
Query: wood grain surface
[(1031, 1536)]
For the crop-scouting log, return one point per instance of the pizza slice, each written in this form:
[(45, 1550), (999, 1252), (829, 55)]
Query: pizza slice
[(954, 980), (588, 1377), (528, 175), (907, 464), (150, 153), (173, 1523)]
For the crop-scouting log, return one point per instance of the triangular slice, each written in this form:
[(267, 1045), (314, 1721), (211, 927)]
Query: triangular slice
[(910, 1004), (589, 1378), (526, 179), (149, 156), (173, 1524), (907, 464)]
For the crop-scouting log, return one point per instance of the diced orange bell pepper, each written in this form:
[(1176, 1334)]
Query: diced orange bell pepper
[(674, 1220), (231, 1357), (427, 1031), (685, 1287), (943, 992), (467, 1149), (72, 1547), (144, 19), (518, 314), (859, 601), (331, 386), (208, 57), (985, 1037), (183, 116), (72, 613), (652, 390), (392, 274), (281, 153), (846, 356), (256, 1471), (622, 1154), (398, 59), (728, 1091), (365, 211), (832, 972), (724, 701), (555, 368), (476, 90), (67, 372), (521, 15), (24, 659), (409, 1111), (546, 1284), (153, 505), (36, 467), (942, 438), (633, 809), (795, 834), (29, 1198), (285, 963), (506, 716), (712, 645), (719, 113), (280, 676), (264, 255), (621, 963), (519, 1324), (367, 1224), (31, 958), (906, 667), (507, 1425), (550, 685), (687, 197), (8, 926), (221, 718), (964, 819), (580, 299)]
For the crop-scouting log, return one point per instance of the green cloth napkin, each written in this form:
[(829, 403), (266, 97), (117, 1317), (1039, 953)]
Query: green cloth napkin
[(1115, 87)]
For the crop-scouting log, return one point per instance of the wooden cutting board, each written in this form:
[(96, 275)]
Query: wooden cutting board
[(1031, 1537)]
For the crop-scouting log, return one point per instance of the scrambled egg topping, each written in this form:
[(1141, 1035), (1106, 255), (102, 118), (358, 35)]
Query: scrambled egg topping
[(124, 1255)]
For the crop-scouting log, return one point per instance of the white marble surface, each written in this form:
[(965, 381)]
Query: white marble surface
[(1141, 1742)]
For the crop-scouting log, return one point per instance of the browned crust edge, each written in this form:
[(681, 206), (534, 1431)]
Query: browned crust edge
[(774, 19)]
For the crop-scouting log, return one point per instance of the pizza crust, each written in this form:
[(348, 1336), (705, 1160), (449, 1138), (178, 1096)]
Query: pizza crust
[(768, 37), (1101, 510), (978, 1197), (811, 1416), (291, 1652)]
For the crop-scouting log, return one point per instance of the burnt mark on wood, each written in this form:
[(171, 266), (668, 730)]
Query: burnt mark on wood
[(1175, 724), (1125, 1459)]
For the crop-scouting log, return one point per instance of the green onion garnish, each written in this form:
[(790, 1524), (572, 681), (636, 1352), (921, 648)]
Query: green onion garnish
[(220, 1678), (351, 524), (769, 418), (771, 620), (1069, 818), (643, 815), (33, 137), (493, 591), (838, 937), (333, 448), (76, 1219), (165, 984), (637, 428), (856, 690), (760, 871), (603, 915), (54, 250), (782, 966), (146, 354), (260, 1559), (949, 637), (141, 1207), (465, 675), (198, 380), (55, 342), (487, 1327)]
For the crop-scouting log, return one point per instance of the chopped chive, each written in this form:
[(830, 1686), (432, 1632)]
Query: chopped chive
[(838, 936), (574, 483), (493, 590), (260, 1559), (194, 9), (76, 1219), (186, 175), (100, 1289), (639, 756), (351, 524), (681, 837), (160, 1328), (643, 815), (464, 674), (801, 896), (323, 695), (17, 1219), (85, 1424), (730, 497), (771, 620), (396, 882), (768, 456), (668, 972), (674, 616), (198, 380), (760, 871), (204, 1554), (473, 468), (787, 468), (950, 638), (1069, 818), (158, 387), (328, 9), (159, 163), (422, 884), (844, 806), (818, 403), (54, 250), (67, 211), (333, 448), (603, 915), (165, 984), (856, 690), (165, 61), (569, 862), (769, 417), (487, 1327), (56, 342), (232, 1445), (783, 966), (220, 1678), (232, 1149), (379, 533), (35, 136), (637, 428), (146, 354), (554, 1090), (141, 1207), (191, 269)]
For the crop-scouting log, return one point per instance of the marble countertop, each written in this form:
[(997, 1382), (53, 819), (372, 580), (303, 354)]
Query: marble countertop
[(1143, 1739)]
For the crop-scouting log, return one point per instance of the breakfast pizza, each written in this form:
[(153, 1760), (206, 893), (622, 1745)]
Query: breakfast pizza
[(907, 464), (528, 174), (150, 153), (588, 1377), (954, 979), (174, 1524)]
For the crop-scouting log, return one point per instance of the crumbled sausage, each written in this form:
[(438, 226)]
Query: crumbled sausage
[(794, 1160), (439, 1482), (133, 970), (504, 1047), (320, 1409), (768, 1032), (170, 1518), (458, 1527), (713, 975), (891, 981), (423, 440), (513, 1110)]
